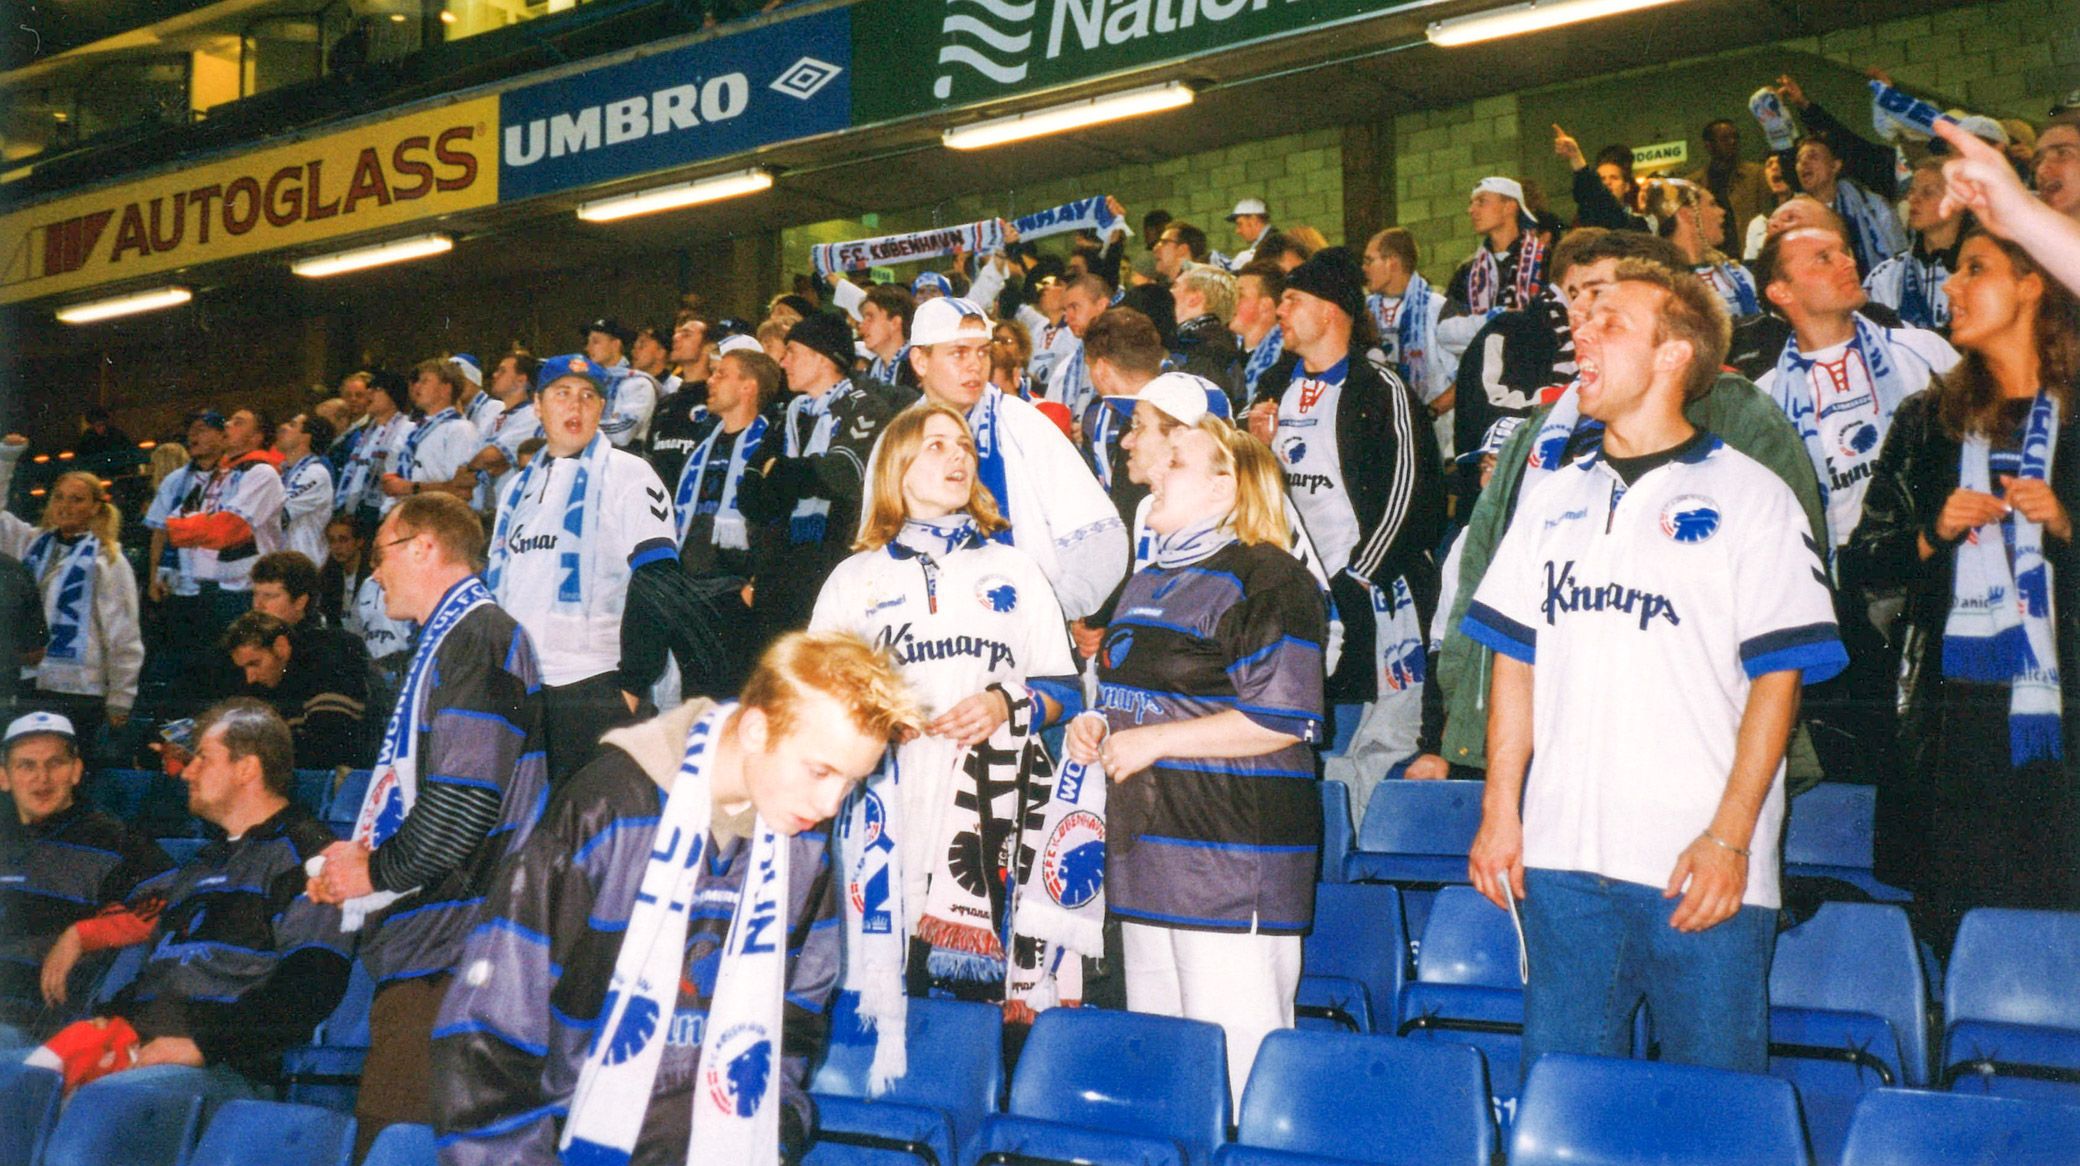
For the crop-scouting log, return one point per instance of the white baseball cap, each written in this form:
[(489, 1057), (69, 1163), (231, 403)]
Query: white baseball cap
[(1249, 206), (739, 343), (1506, 187), (946, 319), (471, 370), (34, 723), (1179, 394)]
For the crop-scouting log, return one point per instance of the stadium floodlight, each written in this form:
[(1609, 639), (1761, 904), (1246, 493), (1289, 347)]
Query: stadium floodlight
[(109, 309), (1517, 19), (362, 258), (679, 194), (1074, 116)]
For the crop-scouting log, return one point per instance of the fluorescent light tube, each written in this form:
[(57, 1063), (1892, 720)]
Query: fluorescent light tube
[(1074, 116), (679, 194), (1517, 19), (362, 258), (109, 309)]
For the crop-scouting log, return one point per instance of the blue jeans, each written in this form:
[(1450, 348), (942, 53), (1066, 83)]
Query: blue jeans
[(1600, 947)]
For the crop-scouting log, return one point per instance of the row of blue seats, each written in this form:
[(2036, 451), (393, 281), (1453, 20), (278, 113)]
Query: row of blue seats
[(172, 1116)]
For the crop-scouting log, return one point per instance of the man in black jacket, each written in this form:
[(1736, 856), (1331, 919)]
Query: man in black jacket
[(1205, 299), (317, 684)]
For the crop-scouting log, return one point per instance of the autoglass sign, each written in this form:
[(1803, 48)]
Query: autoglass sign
[(929, 56), (789, 79)]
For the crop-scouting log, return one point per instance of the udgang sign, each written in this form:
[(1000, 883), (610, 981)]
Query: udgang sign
[(927, 56)]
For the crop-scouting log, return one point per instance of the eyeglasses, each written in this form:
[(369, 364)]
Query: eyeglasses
[(376, 552)]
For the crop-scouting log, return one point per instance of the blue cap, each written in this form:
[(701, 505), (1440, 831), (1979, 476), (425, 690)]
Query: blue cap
[(575, 364), (933, 280)]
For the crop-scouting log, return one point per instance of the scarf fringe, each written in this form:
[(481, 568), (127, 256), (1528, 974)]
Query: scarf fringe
[(2035, 737), (963, 938), (1986, 659)]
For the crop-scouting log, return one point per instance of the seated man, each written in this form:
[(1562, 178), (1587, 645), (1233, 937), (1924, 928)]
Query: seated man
[(242, 965), (60, 859), (686, 807), (318, 684)]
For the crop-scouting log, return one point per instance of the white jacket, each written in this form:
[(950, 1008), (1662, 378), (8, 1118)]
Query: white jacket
[(113, 653)]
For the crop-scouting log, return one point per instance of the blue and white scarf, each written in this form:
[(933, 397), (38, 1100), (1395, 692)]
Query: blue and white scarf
[(1875, 232), (1735, 286), (1262, 357), (977, 238), (1411, 327), (368, 461), (2001, 628), (1792, 388), (71, 613), (879, 369), (1549, 447), (577, 522), (736, 1096), (395, 788), (408, 462), (991, 467), (1484, 291), (730, 531), (1076, 388), (1084, 214), (811, 515)]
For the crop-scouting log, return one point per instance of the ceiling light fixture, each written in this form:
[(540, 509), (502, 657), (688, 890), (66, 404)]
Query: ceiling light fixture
[(362, 258), (109, 309), (1074, 116), (677, 195), (1517, 19)]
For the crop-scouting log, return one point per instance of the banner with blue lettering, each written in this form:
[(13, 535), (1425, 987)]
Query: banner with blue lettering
[(788, 80)]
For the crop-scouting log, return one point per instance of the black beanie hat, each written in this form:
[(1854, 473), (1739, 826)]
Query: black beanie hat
[(1332, 274), (828, 333)]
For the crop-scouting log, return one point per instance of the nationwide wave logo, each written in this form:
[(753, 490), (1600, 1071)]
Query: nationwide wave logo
[(996, 36)]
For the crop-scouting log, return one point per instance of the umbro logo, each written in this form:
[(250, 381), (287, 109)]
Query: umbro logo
[(805, 78)]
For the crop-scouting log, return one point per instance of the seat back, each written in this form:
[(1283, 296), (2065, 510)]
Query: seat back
[(402, 1145), (1339, 833), (1359, 935), (1858, 957), (345, 803), (28, 1108), (1831, 824), (1899, 1127), (275, 1133), (348, 1025), (313, 789), (955, 1062), (1128, 1073), (1421, 817), (1468, 940), (119, 1122), (1370, 1099), (1598, 1109), (149, 800), (2015, 967)]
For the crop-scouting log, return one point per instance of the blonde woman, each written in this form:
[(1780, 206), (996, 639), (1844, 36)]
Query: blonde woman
[(95, 651), (978, 636), (1688, 216), (1210, 690)]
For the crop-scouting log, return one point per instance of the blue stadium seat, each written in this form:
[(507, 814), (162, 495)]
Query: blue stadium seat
[(1345, 718), (1099, 1086), (345, 803), (1415, 835), (1848, 1013), (1339, 834), (327, 1072), (955, 1079), (137, 1118), (1353, 964), (14, 1038), (1466, 989), (1363, 1099), (150, 800), (313, 789), (1828, 834), (182, 850), (2009, 1002), (1901, 1127), (402, 1145), (1606, 1110), (28, 1109), (274, 1133)]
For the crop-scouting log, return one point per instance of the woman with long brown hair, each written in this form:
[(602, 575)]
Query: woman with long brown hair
[(95, 651), (1971, 509)]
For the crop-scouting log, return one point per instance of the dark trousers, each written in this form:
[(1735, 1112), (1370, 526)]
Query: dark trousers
[(574, 716), (397, 1076)]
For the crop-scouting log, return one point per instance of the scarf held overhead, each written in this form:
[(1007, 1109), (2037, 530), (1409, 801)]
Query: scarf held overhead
[(1084, 214), (977, 238), (736, 1097)]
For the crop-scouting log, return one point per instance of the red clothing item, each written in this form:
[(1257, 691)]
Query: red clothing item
[(114, 927), (90, 1050), (218, 530)]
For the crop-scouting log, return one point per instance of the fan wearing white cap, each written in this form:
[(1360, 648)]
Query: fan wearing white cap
[(1251, 218), (476, 405), (61, 860), (1124, 352), (1057, 511), (1509, 266)]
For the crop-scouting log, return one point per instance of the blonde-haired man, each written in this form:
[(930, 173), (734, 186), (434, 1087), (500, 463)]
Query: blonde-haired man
[(707, 988)]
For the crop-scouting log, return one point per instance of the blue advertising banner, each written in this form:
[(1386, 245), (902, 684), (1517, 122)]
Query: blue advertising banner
[(788, 80)]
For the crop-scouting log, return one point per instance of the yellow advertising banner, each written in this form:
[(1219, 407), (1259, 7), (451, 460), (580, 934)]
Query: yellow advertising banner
[(379, 175)]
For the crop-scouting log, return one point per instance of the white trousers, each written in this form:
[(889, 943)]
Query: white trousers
[(1244, 983)]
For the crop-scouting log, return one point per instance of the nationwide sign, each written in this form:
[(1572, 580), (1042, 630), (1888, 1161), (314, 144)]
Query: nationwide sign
[(384, 174), (919, 57), (786, 80)]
